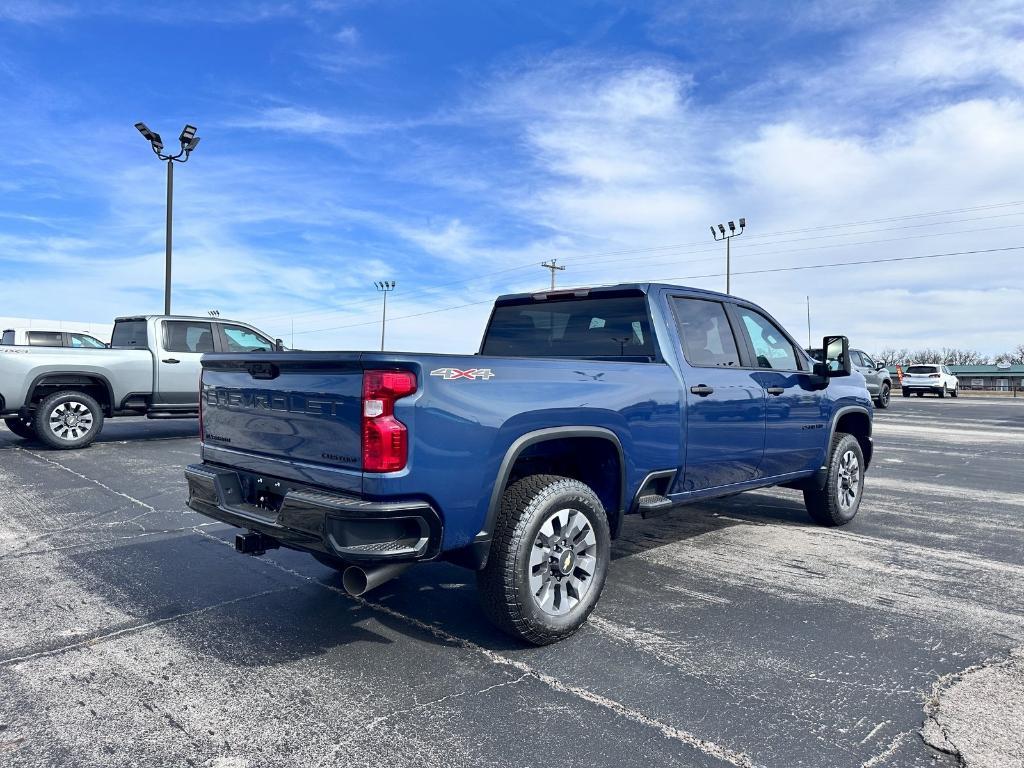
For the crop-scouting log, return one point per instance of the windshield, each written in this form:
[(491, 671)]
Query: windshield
[(606, 328)]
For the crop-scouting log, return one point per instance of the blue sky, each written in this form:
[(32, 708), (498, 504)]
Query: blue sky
[(452, 147)]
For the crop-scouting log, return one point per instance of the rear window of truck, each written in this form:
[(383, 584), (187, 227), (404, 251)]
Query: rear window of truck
[(129, 334), (604, 328)]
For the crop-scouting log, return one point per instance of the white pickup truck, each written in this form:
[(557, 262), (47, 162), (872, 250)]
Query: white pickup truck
[(61, 395)]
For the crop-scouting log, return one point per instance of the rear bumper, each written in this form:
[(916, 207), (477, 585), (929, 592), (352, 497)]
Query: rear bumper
[(921, 385), (348, 527)]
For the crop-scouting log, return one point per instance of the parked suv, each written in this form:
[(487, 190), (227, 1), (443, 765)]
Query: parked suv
[(934, 378), (876, 375)]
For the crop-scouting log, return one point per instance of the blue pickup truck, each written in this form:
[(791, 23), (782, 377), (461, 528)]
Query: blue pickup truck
[(520, 462)]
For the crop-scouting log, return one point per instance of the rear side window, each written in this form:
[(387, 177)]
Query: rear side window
[(129, 334), (605, 328), (45, 339), (707, 337), (241, 339), (188, 336), (7, 338), (923, 369), (771, 347)]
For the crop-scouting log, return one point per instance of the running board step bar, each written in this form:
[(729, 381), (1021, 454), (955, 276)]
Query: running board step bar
[(653, 505)]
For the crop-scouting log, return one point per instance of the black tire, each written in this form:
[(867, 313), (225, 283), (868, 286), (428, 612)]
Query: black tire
[(955, 392), (906, 393), (943, 392), (19, 427), (920, 394), (47, 426), (826, 505), (884, 395), (504, 583), (331, 561)]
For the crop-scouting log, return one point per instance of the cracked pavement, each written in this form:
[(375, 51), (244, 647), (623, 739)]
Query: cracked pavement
[(730, 633)]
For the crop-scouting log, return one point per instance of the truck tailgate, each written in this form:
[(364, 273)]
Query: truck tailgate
[(285, 414)]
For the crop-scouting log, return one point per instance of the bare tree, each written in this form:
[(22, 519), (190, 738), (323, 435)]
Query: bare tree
[(1014, 357), (891, 356), (926, 355), (957, 356)]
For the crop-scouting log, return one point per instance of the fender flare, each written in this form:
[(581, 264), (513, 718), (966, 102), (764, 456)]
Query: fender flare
[(87, 374), (820, 473), (529, 439)]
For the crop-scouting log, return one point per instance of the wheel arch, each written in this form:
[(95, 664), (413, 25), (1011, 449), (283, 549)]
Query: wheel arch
[(854, 420), (529, 452), (90, 382)]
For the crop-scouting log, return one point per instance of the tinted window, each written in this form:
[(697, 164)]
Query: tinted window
[(241, 339), (707, 337), (598, 328), (188, 336), (45, 339), (922, 369), (771, 347), (8, 338), (129, 334), (84, 340), (867, 360)]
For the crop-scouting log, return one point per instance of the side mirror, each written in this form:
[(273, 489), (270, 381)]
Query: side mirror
[(879, 366), (278, 345), (837, 356)]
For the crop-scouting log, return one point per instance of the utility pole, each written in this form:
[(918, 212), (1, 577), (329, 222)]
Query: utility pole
[(809, 345), (552, 265), (721, 235), (189, 141), (385, 287)]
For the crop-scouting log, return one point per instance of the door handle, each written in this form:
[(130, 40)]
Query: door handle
[(170, 360), (702, 389), (775, 390)]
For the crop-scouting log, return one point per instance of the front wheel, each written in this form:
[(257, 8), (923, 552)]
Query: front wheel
[(883, 397), (68, 420), (548, 560), (20, 427), (838, 501)]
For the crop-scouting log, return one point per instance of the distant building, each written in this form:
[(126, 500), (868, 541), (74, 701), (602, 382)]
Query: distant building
[(998, 377)]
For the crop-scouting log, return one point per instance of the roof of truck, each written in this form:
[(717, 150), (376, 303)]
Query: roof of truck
[(206, 318), (585, 290)]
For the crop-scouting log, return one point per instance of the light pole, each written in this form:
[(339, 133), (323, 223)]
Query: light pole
[(552, 265), (189, 141), (385, 287), (721, 235)]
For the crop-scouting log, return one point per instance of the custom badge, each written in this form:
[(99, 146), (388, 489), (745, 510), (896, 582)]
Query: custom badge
[(448, 374)]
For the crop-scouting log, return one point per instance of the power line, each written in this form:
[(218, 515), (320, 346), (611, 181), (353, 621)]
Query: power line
[(599, 256), (709, 275)]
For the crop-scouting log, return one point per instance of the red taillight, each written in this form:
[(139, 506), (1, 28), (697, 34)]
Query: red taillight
[(934, 376), (385, 439)]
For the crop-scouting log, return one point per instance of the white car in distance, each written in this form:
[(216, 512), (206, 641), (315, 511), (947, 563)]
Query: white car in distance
[(930, 377)]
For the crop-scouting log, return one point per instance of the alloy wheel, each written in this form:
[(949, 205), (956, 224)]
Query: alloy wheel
[(563, 561)]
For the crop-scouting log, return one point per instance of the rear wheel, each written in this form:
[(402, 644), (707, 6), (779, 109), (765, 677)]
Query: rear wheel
[(942, 392), (68, 420), (955, 392), (906, 393), (548, 560), (920, 394), (838, 501), (883, 396), (20, 427)]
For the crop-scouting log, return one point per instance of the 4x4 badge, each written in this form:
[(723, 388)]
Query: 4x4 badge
[(470, 373)]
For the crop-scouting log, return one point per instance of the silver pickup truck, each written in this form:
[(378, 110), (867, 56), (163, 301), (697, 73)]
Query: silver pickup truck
[(61, 395)]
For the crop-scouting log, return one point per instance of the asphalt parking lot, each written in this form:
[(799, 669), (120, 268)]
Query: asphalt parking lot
[(730, 633)]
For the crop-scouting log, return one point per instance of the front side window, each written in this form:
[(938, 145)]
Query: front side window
[(241, 339), (602, 328), (771, 347), (45, 339), (707, 338), (867, 360), (84, 341), (188, 336), (8, 338)]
